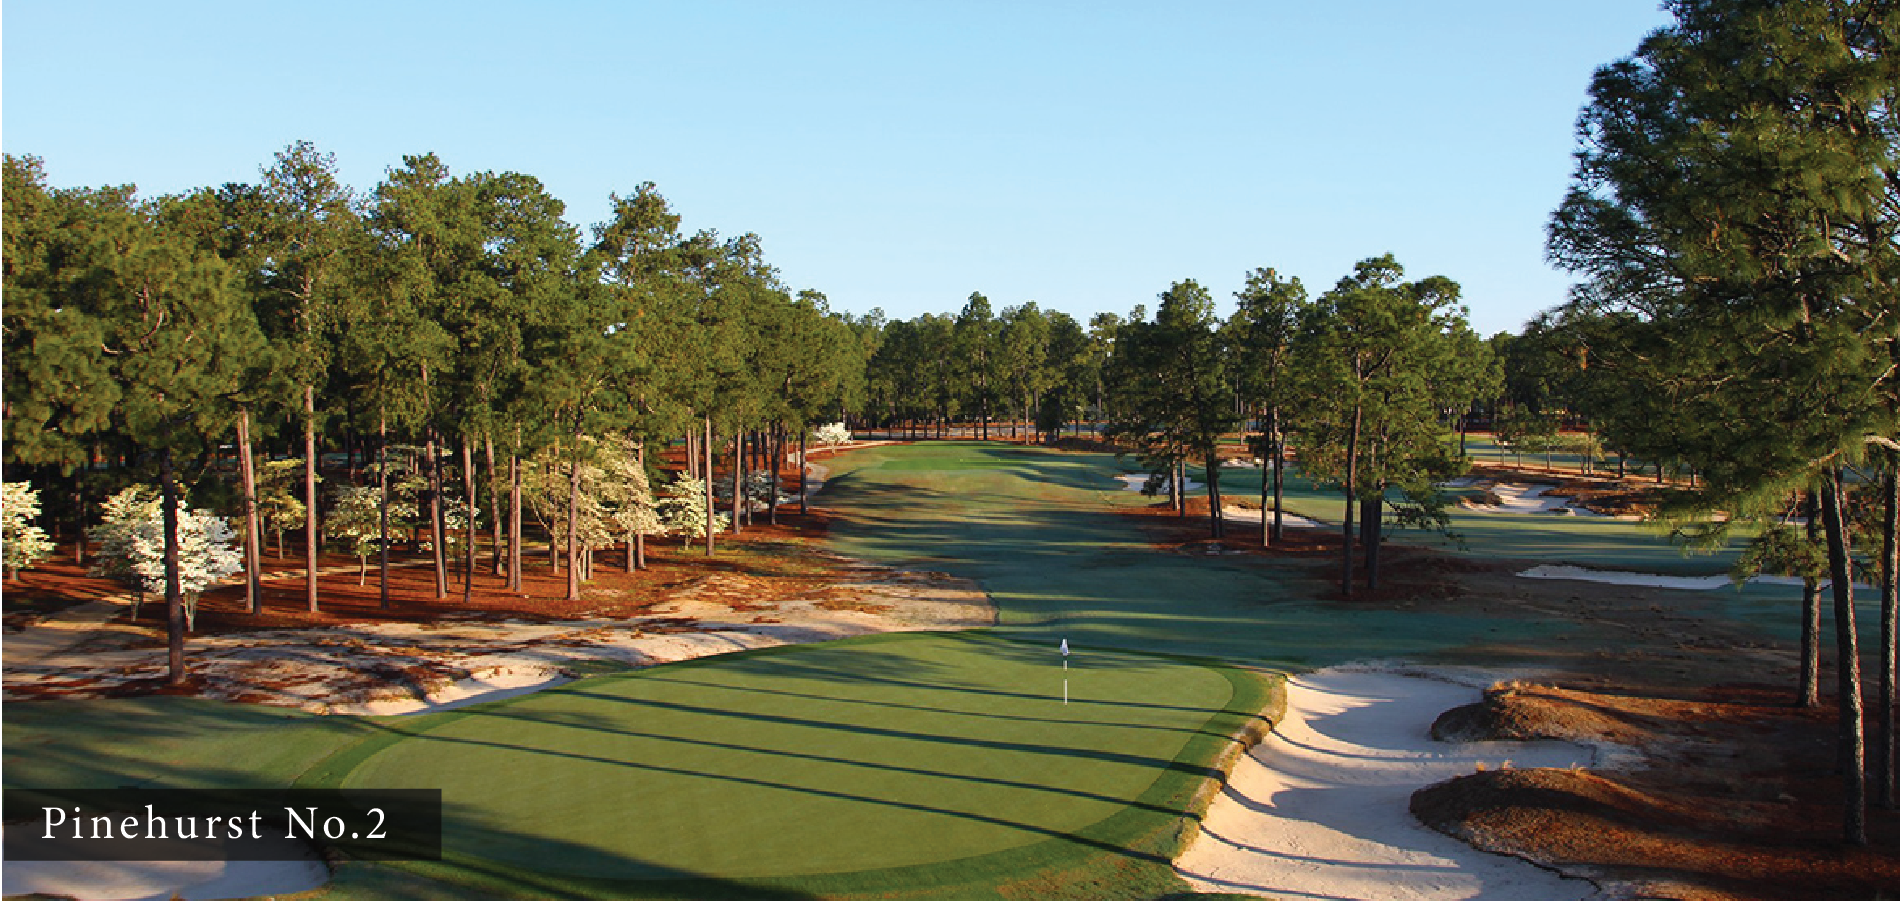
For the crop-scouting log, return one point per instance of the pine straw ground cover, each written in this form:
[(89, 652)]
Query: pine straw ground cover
[(771, 586), (1734, 797)]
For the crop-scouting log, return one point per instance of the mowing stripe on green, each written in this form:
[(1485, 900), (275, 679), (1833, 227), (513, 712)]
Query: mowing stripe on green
[(882, 752)]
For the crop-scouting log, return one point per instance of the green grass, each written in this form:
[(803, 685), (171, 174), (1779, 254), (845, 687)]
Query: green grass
[(910, 766), (166, 742), (932, 765), (1062, 563), (868, 754)]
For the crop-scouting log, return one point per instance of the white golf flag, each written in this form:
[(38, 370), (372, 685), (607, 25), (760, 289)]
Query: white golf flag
[(1065, 647)]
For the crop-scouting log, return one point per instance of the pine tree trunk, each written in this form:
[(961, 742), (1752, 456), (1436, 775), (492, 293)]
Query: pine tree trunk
[(1809, 691), (1217, 522), (1853, 750), (637, 545), (803, 489), (574, 520), (738, 476), (1889, 625), (438, 537), (310, 541), (707, 447), (253, 537), (1279, 483), (174, 599), (774, 454), (514, 522), (1352, 472), (382, 504), (1372, 512), (494, 501), (468, 521)]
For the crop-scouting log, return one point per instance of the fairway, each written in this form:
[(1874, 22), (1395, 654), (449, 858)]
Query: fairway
[(1047, 541)]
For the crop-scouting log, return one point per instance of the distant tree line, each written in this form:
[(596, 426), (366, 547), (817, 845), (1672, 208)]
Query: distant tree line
[(1369, 377)]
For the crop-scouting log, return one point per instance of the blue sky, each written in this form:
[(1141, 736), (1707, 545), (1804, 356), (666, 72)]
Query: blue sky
[(897, 154)]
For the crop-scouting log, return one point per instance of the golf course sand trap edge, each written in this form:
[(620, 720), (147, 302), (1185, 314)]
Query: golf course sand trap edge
[(497, 684), (1652, 580), (164, 879), (1291, 520), (1321, 807)]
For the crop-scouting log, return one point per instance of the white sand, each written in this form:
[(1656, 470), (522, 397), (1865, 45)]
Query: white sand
[(163, 880), (1651, 580), (1292, 520), (1517, 497), (499, 683), (1135, 480), (1320, 809)]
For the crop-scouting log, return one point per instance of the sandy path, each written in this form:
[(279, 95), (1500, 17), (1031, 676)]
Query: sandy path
[(1321, 808)]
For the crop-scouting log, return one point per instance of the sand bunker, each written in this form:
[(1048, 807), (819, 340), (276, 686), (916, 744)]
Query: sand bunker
[(163, 880), (1320, 809), (1135, 481), (1651, 580), (1291, 520), (1517, 497), (500, 683)]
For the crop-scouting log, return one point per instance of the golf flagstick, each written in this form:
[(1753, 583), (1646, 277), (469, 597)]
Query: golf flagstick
[(1065, 671)]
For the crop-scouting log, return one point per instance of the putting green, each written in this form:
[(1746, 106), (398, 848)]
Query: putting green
[(888, 752)]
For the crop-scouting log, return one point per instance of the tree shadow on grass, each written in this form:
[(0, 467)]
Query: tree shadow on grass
[(147, 742)]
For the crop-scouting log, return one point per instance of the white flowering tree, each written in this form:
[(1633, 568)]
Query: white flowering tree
[(131, 540), (356, 520), (22, 543), (759, 486), (277, 501), (831, 435), (626, 494), (683, 510), (406, 485), (615, 503), (118, 519), (546, 485)]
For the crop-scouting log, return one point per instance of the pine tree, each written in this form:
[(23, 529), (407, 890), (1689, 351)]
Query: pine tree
[(1171, 399), (1735, 201)]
